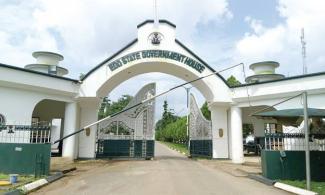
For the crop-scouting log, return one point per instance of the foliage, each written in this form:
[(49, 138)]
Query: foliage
[(167, 118), (81, 76), (172, 128), (174, 132), (318, 187), (205, 111), (22, 180), (247, 129), (108, 107), (232, 81)]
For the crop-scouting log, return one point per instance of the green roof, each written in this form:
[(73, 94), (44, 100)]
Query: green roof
[(298, 112)]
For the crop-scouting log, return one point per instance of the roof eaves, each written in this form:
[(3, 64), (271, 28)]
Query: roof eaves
[(283, 79), (109, 58), (36, 72)]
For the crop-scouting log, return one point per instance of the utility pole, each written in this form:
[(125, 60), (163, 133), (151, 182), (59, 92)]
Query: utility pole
[(303, 51), (306, 127), (187, 115)]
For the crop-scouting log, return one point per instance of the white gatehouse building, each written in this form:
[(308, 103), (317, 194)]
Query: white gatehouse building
[(41, 92)]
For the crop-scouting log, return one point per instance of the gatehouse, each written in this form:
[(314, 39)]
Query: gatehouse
[(40, 92)]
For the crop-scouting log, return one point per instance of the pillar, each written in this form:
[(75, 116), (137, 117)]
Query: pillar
[(236, 135), (219, 132), (70, 126), (88, 114)]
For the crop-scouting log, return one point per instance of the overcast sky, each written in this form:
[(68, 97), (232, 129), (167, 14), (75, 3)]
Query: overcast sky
[(222, 32)]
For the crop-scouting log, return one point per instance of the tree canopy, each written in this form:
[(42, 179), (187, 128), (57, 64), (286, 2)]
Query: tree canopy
[(232, 81), (205, 111), (108, 107), (167, 117)]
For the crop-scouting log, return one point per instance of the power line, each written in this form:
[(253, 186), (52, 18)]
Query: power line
[(145, 101)]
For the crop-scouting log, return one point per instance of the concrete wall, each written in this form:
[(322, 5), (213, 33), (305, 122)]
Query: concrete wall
[(17, 105), (88, 114)]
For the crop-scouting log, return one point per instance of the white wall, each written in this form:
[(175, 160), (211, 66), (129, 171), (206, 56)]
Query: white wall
[(17, 105), (219, 121), (88, 114), (103, 80)]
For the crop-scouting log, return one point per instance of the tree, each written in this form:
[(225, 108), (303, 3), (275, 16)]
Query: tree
[(167, 118), (232, 81), (173, 132), (121, 103), (205, 111), (81, 76), (103, 107), (108, 107)]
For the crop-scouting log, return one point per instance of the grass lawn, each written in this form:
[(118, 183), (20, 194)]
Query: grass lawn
[(318, 187), (22, 179), (180, 147)]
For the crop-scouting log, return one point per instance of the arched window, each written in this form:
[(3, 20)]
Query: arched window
[(2, 120)]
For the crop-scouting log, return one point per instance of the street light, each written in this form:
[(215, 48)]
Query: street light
[(187, 115)]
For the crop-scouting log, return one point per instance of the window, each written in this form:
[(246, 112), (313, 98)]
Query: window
[(2, 120)]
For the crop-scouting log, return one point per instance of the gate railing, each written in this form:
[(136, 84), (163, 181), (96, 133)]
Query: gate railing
[(294, 141), (25, 133), (199, 127)]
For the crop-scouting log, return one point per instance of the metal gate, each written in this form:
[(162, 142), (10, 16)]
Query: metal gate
[(200, 132), (129, 134)]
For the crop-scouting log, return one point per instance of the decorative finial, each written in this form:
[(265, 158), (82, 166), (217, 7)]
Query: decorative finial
[(156, 21)]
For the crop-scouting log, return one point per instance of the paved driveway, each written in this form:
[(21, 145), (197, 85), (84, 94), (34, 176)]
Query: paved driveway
[(169, 173)]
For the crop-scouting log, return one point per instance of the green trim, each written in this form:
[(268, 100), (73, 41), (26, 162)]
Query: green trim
[(203, 62), (110, 58), (152, 21), (156, 53), (39, 73), (283, 79)]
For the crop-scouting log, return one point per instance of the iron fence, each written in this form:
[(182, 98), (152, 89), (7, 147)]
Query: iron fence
[(294, 141), (25, 133)]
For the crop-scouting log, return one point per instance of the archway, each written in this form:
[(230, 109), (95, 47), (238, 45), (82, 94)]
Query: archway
[(168, 56), (52, 113)]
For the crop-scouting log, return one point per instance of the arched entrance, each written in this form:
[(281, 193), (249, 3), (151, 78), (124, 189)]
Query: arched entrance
[(143, 55)]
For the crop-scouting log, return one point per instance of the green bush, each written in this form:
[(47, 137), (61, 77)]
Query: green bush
[(174, 132)]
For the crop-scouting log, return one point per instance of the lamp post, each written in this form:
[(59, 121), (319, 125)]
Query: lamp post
[(187, 115)]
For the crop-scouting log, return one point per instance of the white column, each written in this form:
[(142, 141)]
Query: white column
[(70, 126), (88, 115), (219, 131), (236, 135)]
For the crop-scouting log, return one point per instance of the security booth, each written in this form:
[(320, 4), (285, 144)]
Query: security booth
[(284, 154), (25, 149)]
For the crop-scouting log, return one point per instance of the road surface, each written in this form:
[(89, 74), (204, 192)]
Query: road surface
[(169, 173)]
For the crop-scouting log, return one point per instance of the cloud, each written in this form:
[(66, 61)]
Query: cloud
[(282, 41), (86, 32)]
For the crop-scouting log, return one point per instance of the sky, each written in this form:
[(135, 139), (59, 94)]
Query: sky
[(221, 32)]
